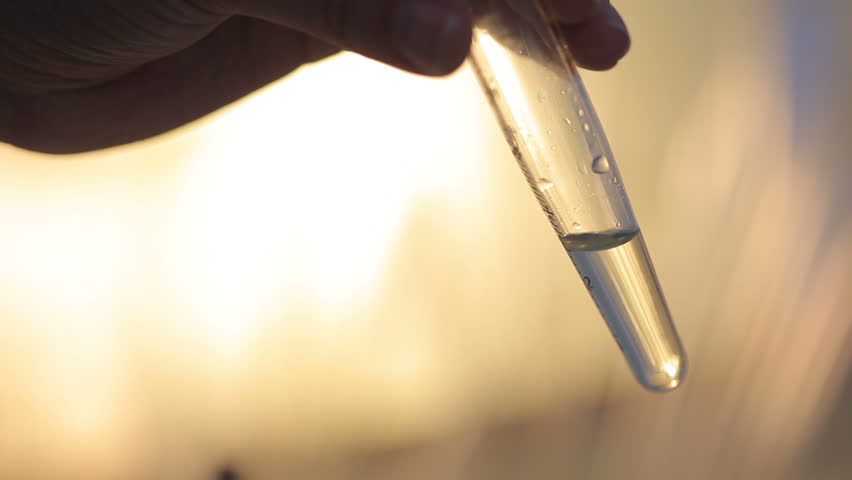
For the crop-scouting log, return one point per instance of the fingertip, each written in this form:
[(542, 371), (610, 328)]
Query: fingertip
[(432, 37), (605, 54), (453, 44), (600, 43)]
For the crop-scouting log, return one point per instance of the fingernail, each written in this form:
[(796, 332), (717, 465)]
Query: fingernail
[(424, 33)]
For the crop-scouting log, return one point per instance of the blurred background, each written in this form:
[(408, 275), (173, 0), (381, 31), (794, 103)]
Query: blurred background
[(346, 277)]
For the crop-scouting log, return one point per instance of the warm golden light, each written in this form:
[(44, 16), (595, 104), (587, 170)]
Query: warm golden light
[(346, 277)]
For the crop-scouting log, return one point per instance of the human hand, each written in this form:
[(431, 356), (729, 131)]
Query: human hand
[(89, 74)]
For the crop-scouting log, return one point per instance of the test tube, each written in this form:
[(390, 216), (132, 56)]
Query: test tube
[(548, 120)]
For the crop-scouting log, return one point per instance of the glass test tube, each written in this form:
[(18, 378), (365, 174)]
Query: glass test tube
[(553, 130)]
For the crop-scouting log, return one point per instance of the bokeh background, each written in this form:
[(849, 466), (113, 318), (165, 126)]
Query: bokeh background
[(345, 277)]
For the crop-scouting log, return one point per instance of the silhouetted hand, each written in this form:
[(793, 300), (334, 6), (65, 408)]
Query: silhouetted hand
[(78, 75)]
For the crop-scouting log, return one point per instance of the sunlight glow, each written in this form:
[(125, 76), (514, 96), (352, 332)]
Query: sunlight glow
[(290, 203)]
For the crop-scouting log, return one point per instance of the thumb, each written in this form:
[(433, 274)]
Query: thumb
[(431, 37)]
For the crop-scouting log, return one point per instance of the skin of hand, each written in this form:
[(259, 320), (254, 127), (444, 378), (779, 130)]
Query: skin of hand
[(81, 75)]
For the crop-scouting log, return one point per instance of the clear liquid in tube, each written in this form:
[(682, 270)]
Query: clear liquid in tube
[(617, 270)]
